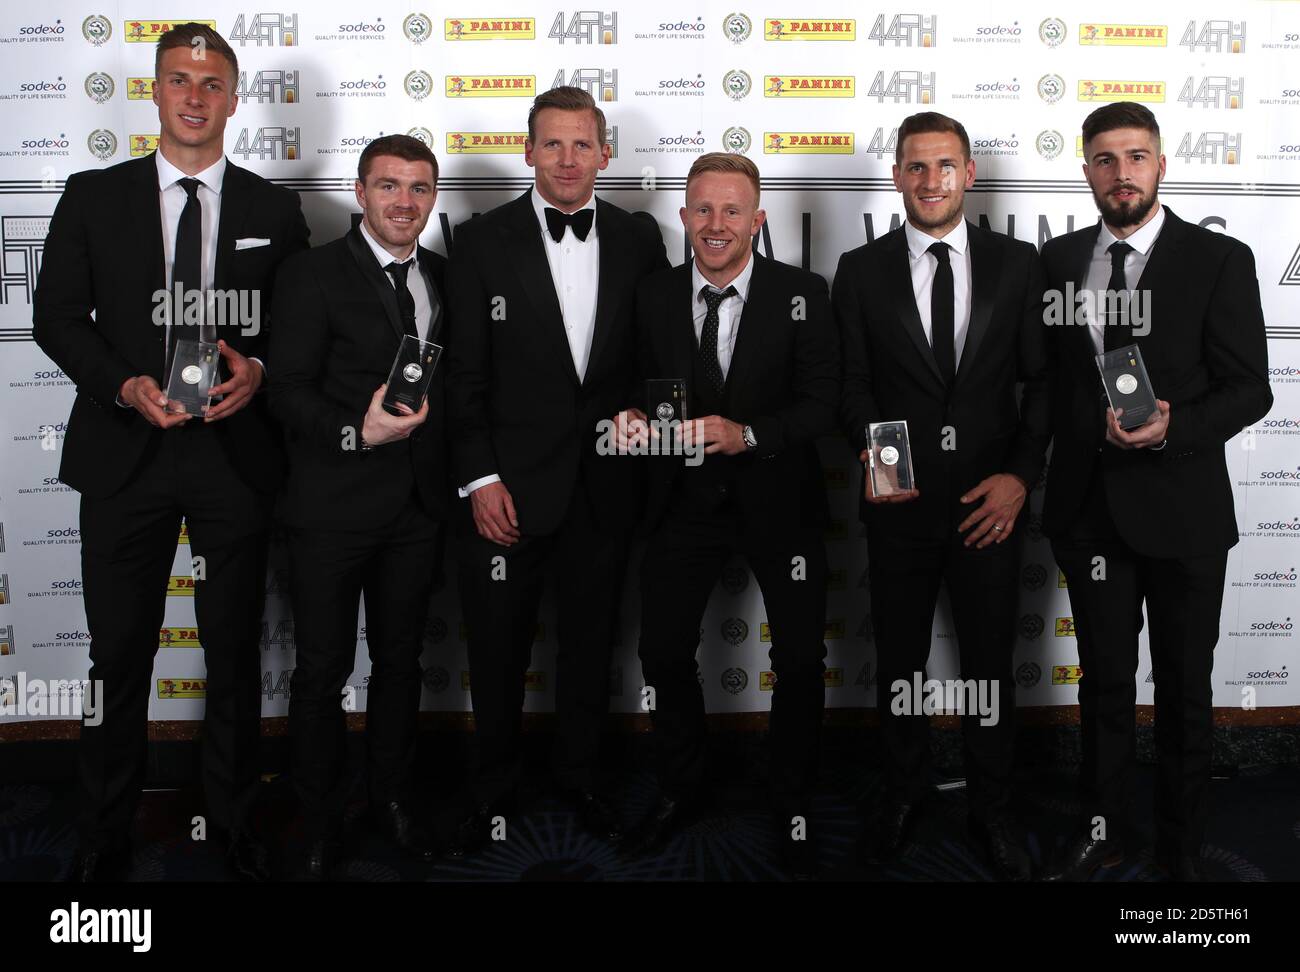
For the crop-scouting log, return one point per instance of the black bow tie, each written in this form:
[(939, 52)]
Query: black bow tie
[(580, 221)]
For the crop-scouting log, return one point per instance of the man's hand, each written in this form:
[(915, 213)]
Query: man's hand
[(1149, 434), (906, 496), (995, 518), (715, 433), (143, 394), (494, 514), (631, 428), (238, 390), (381, 426)]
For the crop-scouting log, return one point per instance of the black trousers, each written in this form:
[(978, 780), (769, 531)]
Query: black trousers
[(905, 577), (1184, 597), (128, 543), (330, 572), (683, 560), (500, 601)]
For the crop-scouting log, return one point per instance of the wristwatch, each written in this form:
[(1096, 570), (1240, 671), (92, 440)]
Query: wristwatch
[(748, 435)]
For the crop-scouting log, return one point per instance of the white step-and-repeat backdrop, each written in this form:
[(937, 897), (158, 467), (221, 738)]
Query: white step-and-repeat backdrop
[(814, 94)]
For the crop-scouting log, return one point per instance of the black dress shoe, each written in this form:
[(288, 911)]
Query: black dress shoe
[(94, 865), (397, 822), (246, 857), (1082, 856), (320, 860), (894, 828), (1184, 868), (598, 816), (1003, 847), (653, 833)]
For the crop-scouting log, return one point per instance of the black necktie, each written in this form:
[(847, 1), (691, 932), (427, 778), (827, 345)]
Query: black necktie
[(709, 365), (187, 266), (1113, 335), (405, 302), (580, 221), (941, 314)]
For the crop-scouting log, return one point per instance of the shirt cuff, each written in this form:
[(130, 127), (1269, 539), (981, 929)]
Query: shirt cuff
[(262, 363), (464, 491)]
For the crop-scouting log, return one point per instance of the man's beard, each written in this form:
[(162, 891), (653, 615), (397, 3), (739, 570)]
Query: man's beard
[(1115, 214)]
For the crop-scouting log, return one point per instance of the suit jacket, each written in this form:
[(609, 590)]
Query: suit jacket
[(516, 406), (338, 329), (890, 374), (783, 381), (1206, 354), (104, 254)]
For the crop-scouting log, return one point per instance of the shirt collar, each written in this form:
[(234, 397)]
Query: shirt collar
[(919, 242), (540, 206), (211, 177), (740, 281), (382, 255), (1142, 240)]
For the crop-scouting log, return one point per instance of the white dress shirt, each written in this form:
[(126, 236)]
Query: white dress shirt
[(924, 265), (1098, 276), (575, 272), (415, 282), (729, 310)]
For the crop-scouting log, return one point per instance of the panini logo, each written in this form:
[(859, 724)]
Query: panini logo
[(182, 688), (798, 30), (491, 86), (178, 638), (148, 31), (139, 89), (808, 86), (180, 586), (486, 143), (807, 143), (1148, 91), (1065, 627), (143, 144), (1123, 35), (489, 28), (1066, 674)]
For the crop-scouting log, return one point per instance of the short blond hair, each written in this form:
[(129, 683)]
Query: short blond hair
[(724, 162)]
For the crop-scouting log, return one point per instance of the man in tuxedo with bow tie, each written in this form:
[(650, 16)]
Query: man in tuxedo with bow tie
[(755, 342), (124, 243), (540, 350), (1145, 515), (939, 322), (366, 492)]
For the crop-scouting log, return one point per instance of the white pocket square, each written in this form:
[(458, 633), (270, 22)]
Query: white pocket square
[(250, 242)]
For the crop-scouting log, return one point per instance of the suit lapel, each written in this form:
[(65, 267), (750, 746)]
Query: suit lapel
[(985, 270), (235, 200), (435, 302), (1160, 275), (900, 273), (749, 336), (1078, 261), (377, 278), (613, 270), (681, 324), (146, 213), (524, 243)]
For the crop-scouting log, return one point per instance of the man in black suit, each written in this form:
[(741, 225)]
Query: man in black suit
[(124, 241), (540, 297), (365, 493), (939, 321), (1147, 514), (755, 343)]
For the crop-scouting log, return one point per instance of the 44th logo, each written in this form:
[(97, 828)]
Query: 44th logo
[(275, 143), (273, 86), (586, 27)]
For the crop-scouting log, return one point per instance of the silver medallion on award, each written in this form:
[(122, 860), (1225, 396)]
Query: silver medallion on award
[(408, 381), (889, 459), (194, 374), (665, 399), (1127, 387)]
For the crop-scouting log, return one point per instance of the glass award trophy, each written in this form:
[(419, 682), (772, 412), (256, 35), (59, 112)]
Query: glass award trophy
[(408, 382), (665, 399), (889, 460), (194, 373), (1127, 385)]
